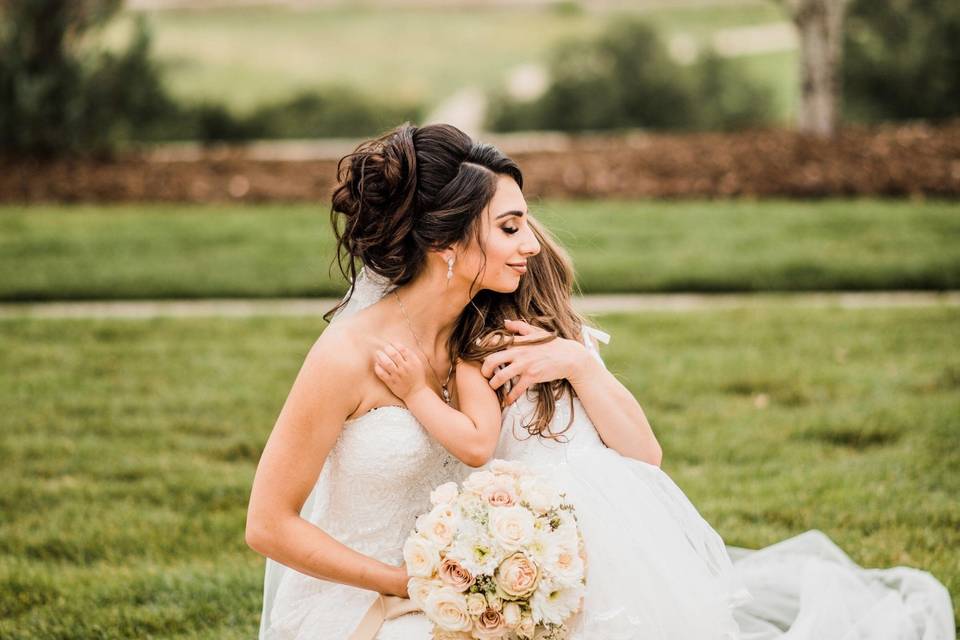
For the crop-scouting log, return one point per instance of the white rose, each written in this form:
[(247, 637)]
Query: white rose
[(476, 604), (540, 495), (511, 614), (526, 627), (494, 602), (444, 494), (477, 481), (448, 609), (507, 467), (512, 527), (420, 589), (421, 556), (440, 525), (502, 492)]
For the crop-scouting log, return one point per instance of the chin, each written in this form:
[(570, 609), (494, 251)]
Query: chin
[(507, 285)]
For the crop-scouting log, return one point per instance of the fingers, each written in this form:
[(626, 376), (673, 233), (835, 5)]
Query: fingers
[(518, 390), (392, 360), (494, 360), (395, 353), (386, 361), (519, 326), (510, 371)]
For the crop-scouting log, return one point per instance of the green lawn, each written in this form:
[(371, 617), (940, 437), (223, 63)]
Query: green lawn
[(160, 251), (129, 448), (251, 55)]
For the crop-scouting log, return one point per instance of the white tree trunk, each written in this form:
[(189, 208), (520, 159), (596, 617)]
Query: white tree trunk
[(820, 29)]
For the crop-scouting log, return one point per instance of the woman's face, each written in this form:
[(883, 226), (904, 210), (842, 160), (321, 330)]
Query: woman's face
[(508, 241)]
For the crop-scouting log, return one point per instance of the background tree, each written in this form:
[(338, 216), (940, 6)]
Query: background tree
[(819, 26), (901, 60), (57, 94)]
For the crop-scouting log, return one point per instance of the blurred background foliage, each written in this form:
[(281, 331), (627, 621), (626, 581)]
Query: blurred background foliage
[(86, 76)]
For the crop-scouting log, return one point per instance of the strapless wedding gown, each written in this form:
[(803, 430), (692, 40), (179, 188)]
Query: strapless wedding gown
[(658, 571), (375, 482)]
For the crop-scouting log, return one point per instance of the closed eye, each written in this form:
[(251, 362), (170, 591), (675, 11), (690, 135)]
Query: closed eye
[(510, 230)]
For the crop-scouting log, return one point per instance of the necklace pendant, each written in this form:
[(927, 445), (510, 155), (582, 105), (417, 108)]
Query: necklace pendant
[(446, 395)]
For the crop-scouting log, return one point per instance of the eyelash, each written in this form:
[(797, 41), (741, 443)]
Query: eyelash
[(510, 230)]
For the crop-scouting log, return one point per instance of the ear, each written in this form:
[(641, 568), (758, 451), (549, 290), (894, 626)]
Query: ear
[(445, 253)]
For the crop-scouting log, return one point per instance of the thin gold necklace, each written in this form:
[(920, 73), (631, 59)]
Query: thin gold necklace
[(443, 385)]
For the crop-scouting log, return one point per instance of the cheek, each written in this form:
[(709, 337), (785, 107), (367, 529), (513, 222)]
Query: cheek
[(501, 250)]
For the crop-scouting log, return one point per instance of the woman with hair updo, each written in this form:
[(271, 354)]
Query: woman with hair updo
[(461, 306), (429, 216)]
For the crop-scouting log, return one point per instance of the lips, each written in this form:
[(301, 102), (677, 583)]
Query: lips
[(520, 267)]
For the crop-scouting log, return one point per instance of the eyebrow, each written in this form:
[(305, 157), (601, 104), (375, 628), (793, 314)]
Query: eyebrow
[(510, 213)]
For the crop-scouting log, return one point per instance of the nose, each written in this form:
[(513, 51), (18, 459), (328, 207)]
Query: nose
[(531, 245)]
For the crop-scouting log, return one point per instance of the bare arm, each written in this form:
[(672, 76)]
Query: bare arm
[(470, 433), (323, 395), (614, 411), (611, 407)]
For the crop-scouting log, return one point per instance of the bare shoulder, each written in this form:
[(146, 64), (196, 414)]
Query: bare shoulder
[(341, 348)]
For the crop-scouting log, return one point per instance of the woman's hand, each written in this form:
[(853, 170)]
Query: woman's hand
[(400, 369), (531, 364)]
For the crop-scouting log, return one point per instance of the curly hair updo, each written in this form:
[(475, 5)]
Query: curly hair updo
[(408, 191)]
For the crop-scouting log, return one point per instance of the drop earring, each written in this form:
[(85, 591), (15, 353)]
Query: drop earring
[(449, 269)]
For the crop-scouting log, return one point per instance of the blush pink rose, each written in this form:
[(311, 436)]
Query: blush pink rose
[(517, 575), (455, 576), (490, 625)]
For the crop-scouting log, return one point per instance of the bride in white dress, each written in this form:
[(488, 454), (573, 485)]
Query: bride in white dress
[(348, 466)]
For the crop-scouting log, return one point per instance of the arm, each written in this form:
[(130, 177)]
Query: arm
[(614, 411), (323, 395), (471, 433)]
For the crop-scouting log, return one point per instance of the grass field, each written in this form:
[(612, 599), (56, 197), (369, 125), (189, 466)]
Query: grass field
[(129, 448), (159, 251), (252, 55)]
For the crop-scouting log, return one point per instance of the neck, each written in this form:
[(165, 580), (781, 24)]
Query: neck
[(432, 307)]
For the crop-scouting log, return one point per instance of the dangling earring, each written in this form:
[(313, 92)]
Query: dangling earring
[(449, 269)]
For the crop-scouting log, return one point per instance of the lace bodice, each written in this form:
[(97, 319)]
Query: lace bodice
[(377, 480)]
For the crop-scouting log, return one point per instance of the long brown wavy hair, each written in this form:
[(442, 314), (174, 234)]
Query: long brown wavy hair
[(543, 299)]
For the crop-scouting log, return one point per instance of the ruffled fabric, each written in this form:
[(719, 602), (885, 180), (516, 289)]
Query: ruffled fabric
[(655, 568), (807, 588)]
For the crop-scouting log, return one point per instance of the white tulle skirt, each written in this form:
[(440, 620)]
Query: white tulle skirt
[(658, 571), (655, 568)]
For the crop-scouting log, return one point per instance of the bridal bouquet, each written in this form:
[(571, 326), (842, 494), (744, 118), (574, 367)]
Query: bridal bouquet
[(499, 557)]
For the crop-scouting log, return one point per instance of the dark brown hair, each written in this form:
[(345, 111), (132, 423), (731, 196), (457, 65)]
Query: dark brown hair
[(410, 190)]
